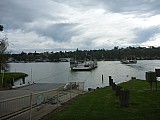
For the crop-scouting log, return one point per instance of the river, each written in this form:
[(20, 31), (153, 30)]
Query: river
[(61, 73)]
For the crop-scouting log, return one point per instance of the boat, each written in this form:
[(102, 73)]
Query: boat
[(126, 61), (83, 65)]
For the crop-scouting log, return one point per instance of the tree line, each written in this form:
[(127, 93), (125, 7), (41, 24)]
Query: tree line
[(140, 53)]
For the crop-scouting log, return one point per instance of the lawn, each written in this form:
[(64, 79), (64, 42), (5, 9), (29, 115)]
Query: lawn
[(103, 104)]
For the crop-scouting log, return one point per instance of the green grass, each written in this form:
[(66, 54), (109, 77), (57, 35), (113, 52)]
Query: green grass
[(103, 104), (8, 77)]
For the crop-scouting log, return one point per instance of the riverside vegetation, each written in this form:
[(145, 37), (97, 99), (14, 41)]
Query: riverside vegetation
[(8, 78), (103, 104), (139, 53)]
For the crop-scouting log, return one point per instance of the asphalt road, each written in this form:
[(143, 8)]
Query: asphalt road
[(34, 88)]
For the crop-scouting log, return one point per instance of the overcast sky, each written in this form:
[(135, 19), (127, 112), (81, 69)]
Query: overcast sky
[(54, 25)]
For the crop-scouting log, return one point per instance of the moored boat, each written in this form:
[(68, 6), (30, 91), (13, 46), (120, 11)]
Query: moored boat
[(83, 65), (128, 61)]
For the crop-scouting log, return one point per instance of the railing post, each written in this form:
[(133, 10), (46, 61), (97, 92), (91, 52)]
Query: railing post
[(70, 89), (78, 88), (30, 113), (57, 96), (102, 80), (110, 81)]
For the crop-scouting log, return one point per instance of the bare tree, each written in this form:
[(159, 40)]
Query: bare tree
[(3, 45), (3, 54)]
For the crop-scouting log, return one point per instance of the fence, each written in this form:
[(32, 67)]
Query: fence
[(35, 105)]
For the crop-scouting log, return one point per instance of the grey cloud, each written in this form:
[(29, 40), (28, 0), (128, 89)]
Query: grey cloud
[(29, 15), (129, 6), (145, 34), (119, 6), (61, 32), (15, 13), (88, 41), (125, 5)]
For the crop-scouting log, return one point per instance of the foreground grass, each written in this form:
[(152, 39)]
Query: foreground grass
[(103, 104)]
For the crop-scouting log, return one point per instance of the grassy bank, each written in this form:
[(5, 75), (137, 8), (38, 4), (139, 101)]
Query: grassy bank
[(8, 78), (103, 104)]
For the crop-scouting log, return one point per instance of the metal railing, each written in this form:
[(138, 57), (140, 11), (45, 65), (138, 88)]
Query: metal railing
[(35, 105)]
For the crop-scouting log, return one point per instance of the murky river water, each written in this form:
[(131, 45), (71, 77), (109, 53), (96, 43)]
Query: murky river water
[(61, 73)]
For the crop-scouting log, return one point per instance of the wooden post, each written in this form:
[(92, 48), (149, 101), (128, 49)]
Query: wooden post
[(124, 98), (102, 80), (113, 86), (31, 76), (151, 85), (117, 90), (57, 96), (110, 81), (13, 81), (70, 90), (110, 77), (156, 85), (30, 113), (23, 80)]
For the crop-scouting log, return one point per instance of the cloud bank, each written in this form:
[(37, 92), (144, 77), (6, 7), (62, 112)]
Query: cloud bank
[(54, 25)]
